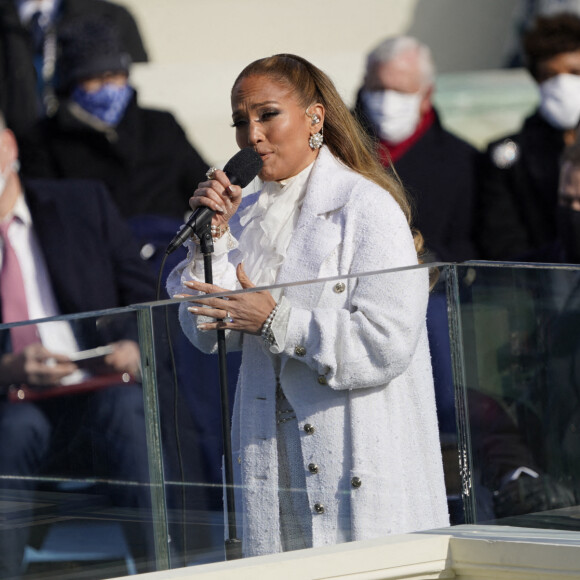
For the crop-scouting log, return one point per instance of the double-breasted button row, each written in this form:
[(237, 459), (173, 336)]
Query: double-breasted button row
[(339, 287), (299, 351), (322, 380), (313, 468), (356, 482), (309, 429), (319, 508)]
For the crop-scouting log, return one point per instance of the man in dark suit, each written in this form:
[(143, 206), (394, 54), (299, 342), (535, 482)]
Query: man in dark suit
[(76, 255)]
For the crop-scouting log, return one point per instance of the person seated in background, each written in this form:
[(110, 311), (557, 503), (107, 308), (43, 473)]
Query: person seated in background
[(28, 31), (437, 168), (561, 406), (519, 182), (65, 250), (552, 415), (101, 132)]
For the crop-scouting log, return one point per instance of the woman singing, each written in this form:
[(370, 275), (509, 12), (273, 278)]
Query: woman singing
[(334, 431)]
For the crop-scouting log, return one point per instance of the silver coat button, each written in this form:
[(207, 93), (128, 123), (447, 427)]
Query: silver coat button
[(356, 482), (309, 429), (322, 380), (339, 287), (319, 508), (299, 351), (313, 468)]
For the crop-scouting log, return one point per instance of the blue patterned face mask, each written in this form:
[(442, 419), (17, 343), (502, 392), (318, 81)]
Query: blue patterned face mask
[(107, 104)]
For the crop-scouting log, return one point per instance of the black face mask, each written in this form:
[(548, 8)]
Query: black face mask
[(569, 232)]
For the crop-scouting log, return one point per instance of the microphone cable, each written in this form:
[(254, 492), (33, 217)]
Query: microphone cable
[(171, 351)]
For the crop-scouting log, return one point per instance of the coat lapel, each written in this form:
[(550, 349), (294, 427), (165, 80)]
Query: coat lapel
[(59, 250), (316, 236)]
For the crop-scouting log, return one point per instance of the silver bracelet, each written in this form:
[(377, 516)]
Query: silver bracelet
[(267, 334)]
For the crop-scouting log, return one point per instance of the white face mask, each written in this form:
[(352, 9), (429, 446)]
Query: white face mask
[(395, 115), (560, 101)]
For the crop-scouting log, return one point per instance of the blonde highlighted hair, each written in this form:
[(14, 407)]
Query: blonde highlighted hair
[(343, 134)]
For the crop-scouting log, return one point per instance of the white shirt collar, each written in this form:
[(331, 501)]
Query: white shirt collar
[(26, 9), (21, 211)]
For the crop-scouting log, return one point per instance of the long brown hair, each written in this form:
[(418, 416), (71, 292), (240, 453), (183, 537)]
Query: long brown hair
[(343, 135)]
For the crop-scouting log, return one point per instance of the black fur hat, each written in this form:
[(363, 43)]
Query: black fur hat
[(88, 47)]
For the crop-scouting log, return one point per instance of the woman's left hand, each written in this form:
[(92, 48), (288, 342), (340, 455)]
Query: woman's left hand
[(241, 312)]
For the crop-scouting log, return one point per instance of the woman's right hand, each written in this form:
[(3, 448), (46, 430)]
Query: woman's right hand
[(219, 195)]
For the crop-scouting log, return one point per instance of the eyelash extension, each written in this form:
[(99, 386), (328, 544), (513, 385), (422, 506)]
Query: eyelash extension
[(263, 117)]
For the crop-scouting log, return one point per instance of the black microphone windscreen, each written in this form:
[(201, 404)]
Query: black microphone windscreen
[(243, 167)]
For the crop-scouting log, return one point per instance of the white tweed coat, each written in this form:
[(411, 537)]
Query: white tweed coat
[(356, 369)]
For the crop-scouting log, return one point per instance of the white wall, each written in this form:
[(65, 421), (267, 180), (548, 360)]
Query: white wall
[(197, 47)]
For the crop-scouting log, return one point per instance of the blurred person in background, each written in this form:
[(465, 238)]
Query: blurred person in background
[(549, 411), (65, 250), (568, 216), (517, 216), (28, 30), (100, 131), (437, 169), (561, 405)]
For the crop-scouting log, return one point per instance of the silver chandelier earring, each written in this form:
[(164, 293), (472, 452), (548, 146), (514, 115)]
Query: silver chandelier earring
[(316, 140)]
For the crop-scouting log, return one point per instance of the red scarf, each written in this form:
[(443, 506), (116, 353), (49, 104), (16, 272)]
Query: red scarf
[(389, 153)]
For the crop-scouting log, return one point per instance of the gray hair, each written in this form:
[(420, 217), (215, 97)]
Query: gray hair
[(392, 47)]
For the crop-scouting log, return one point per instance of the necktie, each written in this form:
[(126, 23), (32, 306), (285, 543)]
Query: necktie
[(14, 307), (36, 29)]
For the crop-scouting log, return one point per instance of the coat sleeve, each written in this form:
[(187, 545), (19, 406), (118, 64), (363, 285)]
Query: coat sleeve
[(224, 275), (373, 339)]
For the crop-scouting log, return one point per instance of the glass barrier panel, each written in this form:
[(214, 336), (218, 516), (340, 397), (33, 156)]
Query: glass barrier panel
[(335, 433), (521, 350), (75, 462)]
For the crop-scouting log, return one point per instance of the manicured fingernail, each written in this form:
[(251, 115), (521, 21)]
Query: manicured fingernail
[(221, 209), (179, 296), (203, 327), (193, 309)]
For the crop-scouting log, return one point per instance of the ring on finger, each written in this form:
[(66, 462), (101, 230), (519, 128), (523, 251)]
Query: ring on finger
[(228, 317), (210, 173)]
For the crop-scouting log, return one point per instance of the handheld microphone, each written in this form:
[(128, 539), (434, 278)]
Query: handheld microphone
[(240, 169)]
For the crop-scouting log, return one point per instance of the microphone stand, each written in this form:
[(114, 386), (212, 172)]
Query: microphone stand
[(233, 545)]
